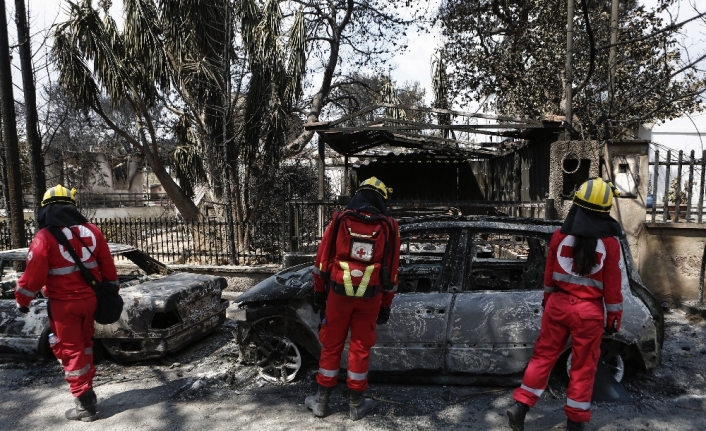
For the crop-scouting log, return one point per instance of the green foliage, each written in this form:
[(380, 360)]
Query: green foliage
[(510, 57)]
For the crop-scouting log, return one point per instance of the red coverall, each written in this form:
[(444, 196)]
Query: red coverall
[(354, 313), (72, 302), (576, 310)]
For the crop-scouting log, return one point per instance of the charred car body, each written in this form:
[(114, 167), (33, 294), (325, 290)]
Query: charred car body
[(164, 311), (469, 302)]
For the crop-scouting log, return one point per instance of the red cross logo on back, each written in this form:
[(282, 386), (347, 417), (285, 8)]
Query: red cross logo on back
[(565, 255), (88, 239)]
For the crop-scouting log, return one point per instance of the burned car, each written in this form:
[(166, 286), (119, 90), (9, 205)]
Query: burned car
[(164, 310), (469, 303)]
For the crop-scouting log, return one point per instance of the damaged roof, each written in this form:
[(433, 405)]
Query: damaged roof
[(358, 133)]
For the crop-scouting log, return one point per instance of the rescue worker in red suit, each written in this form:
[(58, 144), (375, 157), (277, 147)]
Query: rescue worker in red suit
[(355, 280), (72, 302), (582, 275)]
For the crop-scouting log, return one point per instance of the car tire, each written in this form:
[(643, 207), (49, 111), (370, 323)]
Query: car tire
[(43, 349), (279, 359), (613, 357)]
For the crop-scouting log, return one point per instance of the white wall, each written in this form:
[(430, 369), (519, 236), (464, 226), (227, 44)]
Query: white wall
[(684, 134)]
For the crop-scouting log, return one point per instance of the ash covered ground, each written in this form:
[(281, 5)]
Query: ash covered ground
[(204, 387)]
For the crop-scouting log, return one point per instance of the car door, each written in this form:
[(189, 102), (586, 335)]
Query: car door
[(495, 320), (415, 336)]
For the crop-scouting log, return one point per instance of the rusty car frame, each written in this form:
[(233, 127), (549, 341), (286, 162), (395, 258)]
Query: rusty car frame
[(469, 304), (164, 310)]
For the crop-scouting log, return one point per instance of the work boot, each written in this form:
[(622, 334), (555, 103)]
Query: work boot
[(516, 416), (319, 403), (574, 426), (85, 409), (359, 406)]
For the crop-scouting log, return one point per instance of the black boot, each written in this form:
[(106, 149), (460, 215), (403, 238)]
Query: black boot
[(85, 409), (516, 416), (359, 406), (575, 426), (319, 403)]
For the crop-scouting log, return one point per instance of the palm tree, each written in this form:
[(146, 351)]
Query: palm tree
[(131, 67)]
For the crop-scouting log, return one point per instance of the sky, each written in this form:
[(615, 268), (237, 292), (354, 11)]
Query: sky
[(408, 66)]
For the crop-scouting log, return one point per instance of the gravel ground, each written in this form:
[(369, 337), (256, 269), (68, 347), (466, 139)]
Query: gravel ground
[(204, 387)]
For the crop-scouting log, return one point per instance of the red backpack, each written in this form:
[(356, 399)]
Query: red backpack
[(360, 256)]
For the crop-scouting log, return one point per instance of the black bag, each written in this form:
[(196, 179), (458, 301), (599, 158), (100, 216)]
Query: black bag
[(109, 303)]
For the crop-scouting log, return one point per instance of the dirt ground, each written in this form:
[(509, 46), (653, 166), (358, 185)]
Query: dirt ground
[(204, 387)]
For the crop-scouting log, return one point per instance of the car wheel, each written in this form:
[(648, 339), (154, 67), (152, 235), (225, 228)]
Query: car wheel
[(44, 350), (279, 359), (613, 358)]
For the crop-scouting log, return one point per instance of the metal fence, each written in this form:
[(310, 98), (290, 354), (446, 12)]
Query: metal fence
[(113, 200), (173, 240), (676, 187)]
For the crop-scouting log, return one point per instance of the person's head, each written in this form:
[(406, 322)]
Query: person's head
[(370, 196), (59, 195), (596, 196), (375, 185)]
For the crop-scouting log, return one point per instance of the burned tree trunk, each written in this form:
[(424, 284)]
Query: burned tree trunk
[(30, 96), (12, 152)]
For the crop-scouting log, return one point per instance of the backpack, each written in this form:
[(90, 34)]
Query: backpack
[(359, 257)]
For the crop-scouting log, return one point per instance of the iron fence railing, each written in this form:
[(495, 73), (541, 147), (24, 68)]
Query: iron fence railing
[(113, 200), (676, 188), (173, 240)]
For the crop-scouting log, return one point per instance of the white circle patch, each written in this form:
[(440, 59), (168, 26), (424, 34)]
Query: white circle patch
[(565, 253), (30, 255), (88, 238)]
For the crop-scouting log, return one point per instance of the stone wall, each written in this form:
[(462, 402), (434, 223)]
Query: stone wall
[(670, 259)]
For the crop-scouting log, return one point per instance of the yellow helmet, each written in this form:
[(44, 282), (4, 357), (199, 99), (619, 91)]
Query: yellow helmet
[(596, 195), (59, 194), (376, 185)]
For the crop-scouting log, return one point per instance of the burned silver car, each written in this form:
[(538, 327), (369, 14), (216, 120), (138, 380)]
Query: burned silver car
[(469, 303), (164, 310)]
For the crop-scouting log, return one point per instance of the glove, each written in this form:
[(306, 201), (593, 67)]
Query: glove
[(23, 309), (613, 322), (545, 299), (320, 303), (383, 315)]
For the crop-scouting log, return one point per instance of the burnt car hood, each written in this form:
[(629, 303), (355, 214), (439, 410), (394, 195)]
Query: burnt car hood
[(293, 282)]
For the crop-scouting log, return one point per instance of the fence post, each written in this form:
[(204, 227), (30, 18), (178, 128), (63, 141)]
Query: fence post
[(665, 213), (677, 204), (700, 208), (655, 178), (548, 209), (690, 189)]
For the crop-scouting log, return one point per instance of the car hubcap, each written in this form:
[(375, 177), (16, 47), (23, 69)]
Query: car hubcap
[(279, 359)]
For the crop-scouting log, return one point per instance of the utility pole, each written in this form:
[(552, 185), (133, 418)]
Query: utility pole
[(12, 152), (31, 117), (569, 74)]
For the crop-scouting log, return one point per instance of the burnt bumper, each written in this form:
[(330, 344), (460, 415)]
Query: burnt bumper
[(158, 343)]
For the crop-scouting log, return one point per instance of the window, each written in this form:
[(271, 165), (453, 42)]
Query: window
[(501, 261), (8, 280), (421, 260)]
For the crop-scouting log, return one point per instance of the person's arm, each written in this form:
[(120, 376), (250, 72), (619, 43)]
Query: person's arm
[(549, 283), (612, 284), (37, 267), (389, 295), (322, 257)]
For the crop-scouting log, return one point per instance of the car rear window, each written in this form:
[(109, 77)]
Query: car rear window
[(501, 261)]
